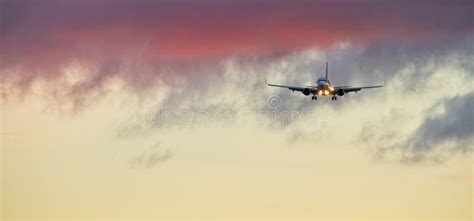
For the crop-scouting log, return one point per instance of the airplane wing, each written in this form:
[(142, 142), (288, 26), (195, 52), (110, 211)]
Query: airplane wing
[(294, 88), (348, 89)]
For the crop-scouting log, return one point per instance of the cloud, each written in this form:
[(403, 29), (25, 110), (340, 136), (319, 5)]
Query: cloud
[(136, 45), (151, 157), (454, 126), (447, 128), (50, 33), (208, 57)]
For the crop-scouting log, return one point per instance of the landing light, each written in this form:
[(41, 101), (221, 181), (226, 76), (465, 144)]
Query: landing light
[(331, 88), (326, 92), (320, 92)]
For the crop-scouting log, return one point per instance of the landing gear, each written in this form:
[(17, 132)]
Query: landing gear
[(334, 98), (314, 98)]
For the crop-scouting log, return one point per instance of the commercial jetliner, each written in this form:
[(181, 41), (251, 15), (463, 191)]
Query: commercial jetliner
[(324, 88)]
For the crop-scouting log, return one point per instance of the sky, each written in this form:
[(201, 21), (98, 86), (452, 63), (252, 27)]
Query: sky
[(121, 109)]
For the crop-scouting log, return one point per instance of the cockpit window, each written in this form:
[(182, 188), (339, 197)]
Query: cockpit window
[(321, 80)]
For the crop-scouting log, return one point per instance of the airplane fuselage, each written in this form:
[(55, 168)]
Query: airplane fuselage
[(324, 87)]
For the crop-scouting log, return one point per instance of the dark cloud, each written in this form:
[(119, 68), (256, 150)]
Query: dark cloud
[(419, 59), (455, 125), (182, 43), (42, 34), (356, 66), (213, 56), (448, 131), (236, 84)]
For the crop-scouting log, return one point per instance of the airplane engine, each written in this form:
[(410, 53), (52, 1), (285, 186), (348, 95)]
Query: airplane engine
[(340, 92), (306, 91)]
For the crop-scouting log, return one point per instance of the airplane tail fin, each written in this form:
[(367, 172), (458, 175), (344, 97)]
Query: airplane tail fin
[(327, 70)]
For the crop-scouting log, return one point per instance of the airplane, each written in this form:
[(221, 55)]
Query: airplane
[(324, 87)]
